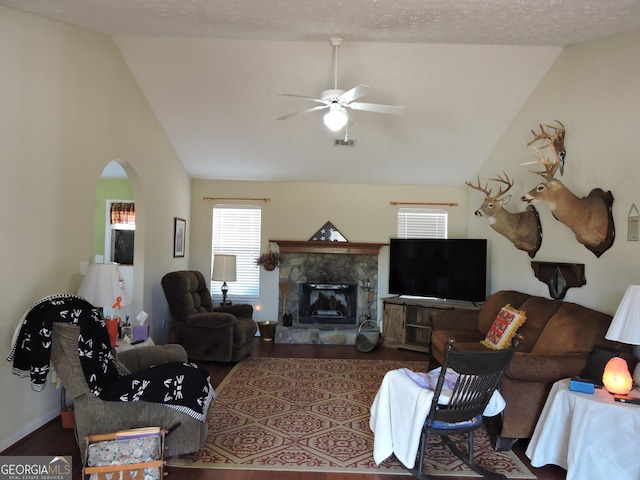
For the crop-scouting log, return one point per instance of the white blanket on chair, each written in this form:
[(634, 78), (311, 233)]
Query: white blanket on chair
[(398, 413)]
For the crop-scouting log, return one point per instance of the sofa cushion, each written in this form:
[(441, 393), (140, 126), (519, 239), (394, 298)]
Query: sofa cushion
[(539, 310), (504, 328), (439, 339), (493, 305), (573, 329)]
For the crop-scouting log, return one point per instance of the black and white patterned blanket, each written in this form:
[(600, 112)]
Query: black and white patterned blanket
[(181, 386)]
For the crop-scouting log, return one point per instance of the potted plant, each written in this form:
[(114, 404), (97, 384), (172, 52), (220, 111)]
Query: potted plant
[(269, 261)]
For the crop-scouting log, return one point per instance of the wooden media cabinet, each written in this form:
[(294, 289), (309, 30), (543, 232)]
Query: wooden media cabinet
[(406, 321)]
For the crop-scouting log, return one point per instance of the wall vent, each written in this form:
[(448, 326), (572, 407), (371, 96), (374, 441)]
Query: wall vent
[(341, 142)]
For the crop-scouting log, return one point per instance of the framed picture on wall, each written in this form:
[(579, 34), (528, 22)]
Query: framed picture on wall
[(179, 236)]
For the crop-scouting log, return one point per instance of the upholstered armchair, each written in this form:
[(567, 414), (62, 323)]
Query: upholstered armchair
[(220, 334), (95, 416)]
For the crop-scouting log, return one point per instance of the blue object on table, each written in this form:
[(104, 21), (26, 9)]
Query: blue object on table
[(581, 385)]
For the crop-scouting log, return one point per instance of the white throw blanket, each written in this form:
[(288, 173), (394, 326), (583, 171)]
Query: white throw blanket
[(399, 411)]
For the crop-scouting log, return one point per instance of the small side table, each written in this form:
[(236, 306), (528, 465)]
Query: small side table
[(591, 436)]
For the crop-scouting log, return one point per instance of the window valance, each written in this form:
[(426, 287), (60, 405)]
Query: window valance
[(123, 213)]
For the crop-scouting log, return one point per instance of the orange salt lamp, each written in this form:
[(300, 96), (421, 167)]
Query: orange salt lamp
[(616, 377)]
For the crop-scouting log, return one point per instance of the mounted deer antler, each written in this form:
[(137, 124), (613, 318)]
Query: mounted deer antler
[(590, 218), (487, 191), (522, 229), (550, 166), (555, 141)]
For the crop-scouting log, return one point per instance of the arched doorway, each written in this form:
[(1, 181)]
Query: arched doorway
[(115, 239)]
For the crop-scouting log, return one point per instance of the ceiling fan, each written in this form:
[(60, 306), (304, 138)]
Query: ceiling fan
[(337, 101)]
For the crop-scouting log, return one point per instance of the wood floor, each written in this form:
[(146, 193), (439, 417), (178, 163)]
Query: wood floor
[(52, 439)]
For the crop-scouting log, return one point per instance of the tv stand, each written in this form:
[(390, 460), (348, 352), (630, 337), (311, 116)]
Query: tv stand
[(406, 321)]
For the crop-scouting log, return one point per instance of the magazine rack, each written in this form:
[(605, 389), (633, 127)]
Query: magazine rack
[(136, 453)]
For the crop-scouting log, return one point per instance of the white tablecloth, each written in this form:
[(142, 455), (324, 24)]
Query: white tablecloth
[(591, 436), (398, 413)]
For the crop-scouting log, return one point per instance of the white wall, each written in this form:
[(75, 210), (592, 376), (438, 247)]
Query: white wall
[(593, 90), (69, 106), (362, 213)]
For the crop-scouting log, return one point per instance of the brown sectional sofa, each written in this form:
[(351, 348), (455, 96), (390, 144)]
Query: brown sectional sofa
[(558, 339)]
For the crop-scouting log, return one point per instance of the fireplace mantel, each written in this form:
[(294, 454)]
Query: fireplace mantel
[(347, 248)]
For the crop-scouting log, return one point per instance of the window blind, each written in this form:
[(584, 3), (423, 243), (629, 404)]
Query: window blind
[(422, 223), (236, 231)]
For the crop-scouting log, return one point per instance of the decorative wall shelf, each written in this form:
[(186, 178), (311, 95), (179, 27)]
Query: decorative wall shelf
[(559, 277), (347, 248)]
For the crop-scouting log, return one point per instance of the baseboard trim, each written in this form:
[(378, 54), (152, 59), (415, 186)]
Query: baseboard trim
[(28, 430)]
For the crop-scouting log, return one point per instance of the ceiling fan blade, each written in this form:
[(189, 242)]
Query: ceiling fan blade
[(313, 99), (312, 109), (355, 92), (376, 107)]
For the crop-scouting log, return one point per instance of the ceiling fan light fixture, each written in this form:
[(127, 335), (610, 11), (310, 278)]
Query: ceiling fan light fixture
[(336, 118), (337, 100)]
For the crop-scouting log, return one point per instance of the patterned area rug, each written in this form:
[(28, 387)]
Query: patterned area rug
[(312, 415)]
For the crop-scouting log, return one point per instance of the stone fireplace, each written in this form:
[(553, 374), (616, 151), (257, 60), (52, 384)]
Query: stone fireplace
[(332, 288)]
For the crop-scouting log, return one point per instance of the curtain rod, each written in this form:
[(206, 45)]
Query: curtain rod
[(238, 199), (425, 203)]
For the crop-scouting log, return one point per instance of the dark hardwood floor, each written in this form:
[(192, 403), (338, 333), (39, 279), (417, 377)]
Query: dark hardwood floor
[(52, 439)]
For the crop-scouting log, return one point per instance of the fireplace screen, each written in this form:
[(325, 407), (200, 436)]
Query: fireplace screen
[(328, 303)]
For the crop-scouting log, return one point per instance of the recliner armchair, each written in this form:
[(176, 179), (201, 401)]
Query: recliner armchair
[(220, 334), (95, 416)]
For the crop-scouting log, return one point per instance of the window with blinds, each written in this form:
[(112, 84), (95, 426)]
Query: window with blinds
[(422, 223), (236, 231)]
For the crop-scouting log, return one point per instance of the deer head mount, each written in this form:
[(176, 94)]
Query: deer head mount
[(590, 218), (523, 229)]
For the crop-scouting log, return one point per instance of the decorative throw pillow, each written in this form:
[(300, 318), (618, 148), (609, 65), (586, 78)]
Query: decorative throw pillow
[(504, 328)]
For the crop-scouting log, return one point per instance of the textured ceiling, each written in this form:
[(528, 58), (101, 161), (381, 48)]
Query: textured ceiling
[(491, 22), (211, 71)]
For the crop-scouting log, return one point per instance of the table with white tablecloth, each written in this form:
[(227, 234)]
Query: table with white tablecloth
[(590, 435)]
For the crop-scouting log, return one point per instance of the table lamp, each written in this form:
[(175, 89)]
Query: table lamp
[(224, 270), (625, 326), (616, 378), (103, 287)]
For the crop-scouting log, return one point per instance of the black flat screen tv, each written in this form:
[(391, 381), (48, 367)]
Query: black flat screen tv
[(452, 269)]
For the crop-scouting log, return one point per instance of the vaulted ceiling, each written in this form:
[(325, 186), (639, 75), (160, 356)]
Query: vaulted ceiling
[(212, 70)]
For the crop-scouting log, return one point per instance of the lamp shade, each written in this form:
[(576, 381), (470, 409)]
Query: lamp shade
[(224, 268), (103, 286), (336, 118), (625, 326)]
